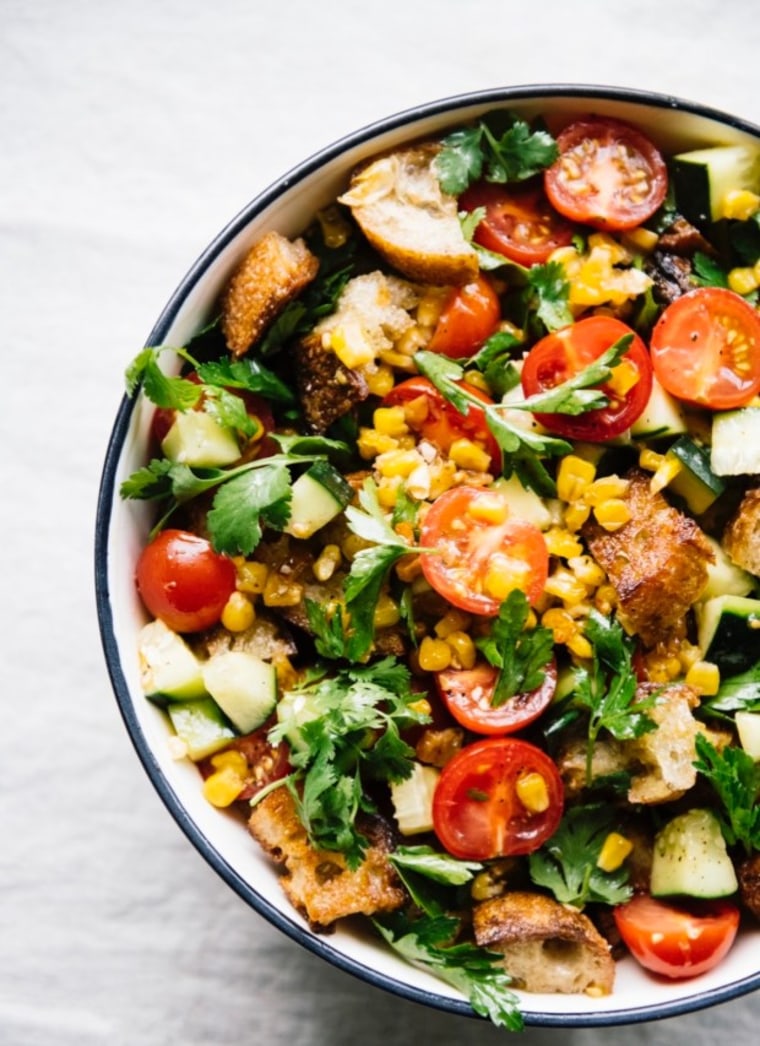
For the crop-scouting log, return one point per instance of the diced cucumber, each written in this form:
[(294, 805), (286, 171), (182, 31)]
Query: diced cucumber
[(728, 632), (198, 440), (736, 442), (295, 708), (317, 497), (662, 416), (724, 578), (703, 177), (748, 729), (201, 726), (413, 800), (690, 858), (696, 483), (525, 504), (243, 685), (168, 666)]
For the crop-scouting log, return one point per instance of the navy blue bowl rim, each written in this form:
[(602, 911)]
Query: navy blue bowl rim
[(320, 945)]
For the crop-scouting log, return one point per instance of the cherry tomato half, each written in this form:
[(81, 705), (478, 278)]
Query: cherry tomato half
[(468, 695), (183, 581), (437, 421), (477, 812), (564, 353), (470, 314), (475, 546), (706, 348), (608, 174), (519, 223), (266, 762), (677, 941)]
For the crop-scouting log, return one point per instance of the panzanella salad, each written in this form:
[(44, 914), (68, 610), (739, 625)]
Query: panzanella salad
[(453, 585)]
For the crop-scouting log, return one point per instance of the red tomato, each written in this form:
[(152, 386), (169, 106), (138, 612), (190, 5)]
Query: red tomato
[(608, 174), (674, 940), (266, 763), (470, 315), (182, 581), (472, 549), (468, 695), (439, 422), (706, 349), (477, 813), (564, 353), (519, 223)]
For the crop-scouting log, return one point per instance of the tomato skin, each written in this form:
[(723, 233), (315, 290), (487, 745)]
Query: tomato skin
[(183, 581), (470, 315), (677, 941), (442, 423), (519, 223), (565, 352), (266, 762), (692, 357), (608, 174), (468, 692), (464, 547), (476, 812)]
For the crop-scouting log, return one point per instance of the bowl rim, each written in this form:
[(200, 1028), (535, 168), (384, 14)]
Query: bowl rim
[(315, 944)]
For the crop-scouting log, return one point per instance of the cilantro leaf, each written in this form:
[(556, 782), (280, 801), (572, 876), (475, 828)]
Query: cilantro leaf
[(460, 161), (547, 295), (735, 778), (172, 393), (521, 656), (739, 693), (580, 393), (369, 570), (243, 504), (440, 867), (566, 864), (326, 625), (247, 374), (707, 272)]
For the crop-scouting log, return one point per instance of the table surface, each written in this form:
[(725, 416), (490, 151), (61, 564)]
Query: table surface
[(131, 133)]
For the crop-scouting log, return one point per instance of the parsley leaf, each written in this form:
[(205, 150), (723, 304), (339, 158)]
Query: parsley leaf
[(440, 867), (735, 777), (566, 864), (243, 504), (246, 374), (499, 149), (326, 625), (547, 295), (521, 656), (429, 942), (707, 272), (740, 693), (580, 393), (494, 361), (172, 393)]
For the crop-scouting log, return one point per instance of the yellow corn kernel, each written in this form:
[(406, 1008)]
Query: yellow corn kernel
[(614, 851), (565, 585), (574, 475), (532, 791), (351, 345), (238, 613), (386, 612), (441, 478), (252, 576), (280, 591), (740, 204), (468, 455), (666, 473), (421, 706), (503, 576), (743, 280), (587, 570), (651, 460), (390, 421), (381, 380), (399, 360), (704, 677), (575, 515), (578, 644), (641, 239), (287, 674), (623, 377), (612, 514), (353, 544), (335, 229), (411, 341), (688, 654), (488, 508), (434, 655), (560, 542), (223, 787), (387, 491), (408, 568), (478, 381), (371, 443), (231, 759), (398, 463), (560, 623), (463, 649), (605, 598), (327, 562), (452, 621), (604, 489), (430, 306)]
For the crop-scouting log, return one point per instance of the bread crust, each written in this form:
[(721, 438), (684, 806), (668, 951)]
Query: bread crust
[(741, 538)]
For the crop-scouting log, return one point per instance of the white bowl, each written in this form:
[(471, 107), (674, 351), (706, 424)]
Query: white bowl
[(122, 527)]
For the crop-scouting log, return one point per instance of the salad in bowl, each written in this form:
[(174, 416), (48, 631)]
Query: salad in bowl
[(429, 550)]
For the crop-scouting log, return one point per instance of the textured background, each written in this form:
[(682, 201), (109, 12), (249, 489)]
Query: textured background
[(129, 134)]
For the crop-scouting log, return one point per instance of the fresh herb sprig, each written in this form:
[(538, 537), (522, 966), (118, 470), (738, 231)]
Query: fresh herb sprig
[(580, 393), (521, 656), (500, 148), (739, 693), (735, 778)]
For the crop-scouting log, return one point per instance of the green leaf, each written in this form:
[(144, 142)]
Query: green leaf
[(326, 625), (580, 393), (460, 161), (548, 294), (247, 374), (521, 656), (740, 693), (519, 153), (244, 504), (171, 393), (440, 867), (366, 579), (735, 778), (707, 272)]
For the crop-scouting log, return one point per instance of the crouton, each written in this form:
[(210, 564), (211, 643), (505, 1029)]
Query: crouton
[(273, 272), (656, 562), (547, 946), (318, 883), (741, 538), (409, 220), (749, 883), (326, 387)]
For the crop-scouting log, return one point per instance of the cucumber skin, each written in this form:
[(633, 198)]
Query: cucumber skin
[(690, 859), (734, 644)]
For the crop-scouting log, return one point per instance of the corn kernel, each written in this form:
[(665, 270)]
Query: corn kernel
[(612, 514), (387, 491), (667, 472), (604, 489), (468, 455), (573, 477), (279, 591), (578, 644), (353, 544), (351, 345), (503, 576), (223, 787), (560, 542), (742, 280), (477, 379), (623, 377), (422, 706), (399, 360), (381, 380), (386, 612), (739, 204), (463, 649), (434, 655), (453, 621), (398, 463), (238, 613), (413, 339), (370, 443), (252, 577), (704, 677), (390, 421), (615, 849), (641, 239), (488, 507), (430, 307), (532, 791), (408, 568), (335, 229), (651, 460), (326, 562), (560, 623), (587, 570), (565, 585), (605, 598), (575, 515)]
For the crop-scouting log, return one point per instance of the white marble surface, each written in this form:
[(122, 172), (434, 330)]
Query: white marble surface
[(129, 134)]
